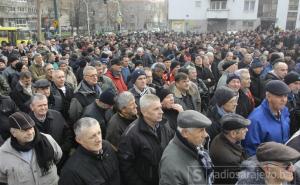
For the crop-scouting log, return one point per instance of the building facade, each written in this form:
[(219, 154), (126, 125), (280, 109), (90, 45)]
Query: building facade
[(212, 15)]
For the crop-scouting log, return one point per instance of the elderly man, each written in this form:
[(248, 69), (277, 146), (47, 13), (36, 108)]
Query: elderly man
[(280, 70), (22, 93), (292, 79), (42, 86), (28, 157), (94, 161), (246, 102), (144, 57), (272, 165), (142, 144), (140, 88), (62, 93), (270, 121), (184, 161), (126, 114), (37, 68), (85, 93), (51, 122), (226, 151), (186, 92), (104, 81)]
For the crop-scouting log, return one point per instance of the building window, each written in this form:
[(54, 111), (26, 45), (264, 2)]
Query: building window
[(198, 4), (249, 5), (218, 5)]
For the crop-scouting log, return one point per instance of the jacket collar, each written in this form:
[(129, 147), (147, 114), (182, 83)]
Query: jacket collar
[(184, 147)]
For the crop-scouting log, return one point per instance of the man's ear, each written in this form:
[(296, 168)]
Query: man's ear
[(12, 131)]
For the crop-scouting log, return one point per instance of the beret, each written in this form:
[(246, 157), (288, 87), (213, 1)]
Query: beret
[(256, 63), (277, 87), (192, 119), (234, 121), (272, 151), (107, 97)]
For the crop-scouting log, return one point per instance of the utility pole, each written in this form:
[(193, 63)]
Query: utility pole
[(39, 20), (56, 17)]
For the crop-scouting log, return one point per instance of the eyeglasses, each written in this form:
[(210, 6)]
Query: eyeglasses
[(286, 166)]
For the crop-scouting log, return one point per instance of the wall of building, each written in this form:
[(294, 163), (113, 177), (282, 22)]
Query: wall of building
[(281, 15)]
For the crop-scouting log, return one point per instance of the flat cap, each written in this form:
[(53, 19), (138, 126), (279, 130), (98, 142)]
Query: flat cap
[(291, 77), (234, 121), (192, 119), (20, 120), (272, 151), (277, 87), (42, 83)]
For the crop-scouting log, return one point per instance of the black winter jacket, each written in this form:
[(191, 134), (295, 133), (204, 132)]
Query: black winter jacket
[(86, 168), (140, 151)]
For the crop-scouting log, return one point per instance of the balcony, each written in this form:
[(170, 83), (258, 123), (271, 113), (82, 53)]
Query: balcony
[(217, 13)]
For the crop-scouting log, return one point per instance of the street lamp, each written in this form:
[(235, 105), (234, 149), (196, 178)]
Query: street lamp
[(87, 16)]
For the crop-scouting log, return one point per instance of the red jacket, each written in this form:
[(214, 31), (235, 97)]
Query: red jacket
[(118, 81)]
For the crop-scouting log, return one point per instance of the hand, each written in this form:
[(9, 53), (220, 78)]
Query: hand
[(177, 107)]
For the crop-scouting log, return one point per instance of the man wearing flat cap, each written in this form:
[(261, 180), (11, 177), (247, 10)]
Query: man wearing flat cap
[(292, 79), (115, 74), (226, 151), (42, 86), (270, 121), (184, 161), (28, 157), (272, 165)]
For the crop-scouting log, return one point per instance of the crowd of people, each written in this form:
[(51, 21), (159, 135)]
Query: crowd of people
[(160, 108)]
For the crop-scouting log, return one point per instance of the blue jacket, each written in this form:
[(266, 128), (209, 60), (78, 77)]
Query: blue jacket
[(265, 127)]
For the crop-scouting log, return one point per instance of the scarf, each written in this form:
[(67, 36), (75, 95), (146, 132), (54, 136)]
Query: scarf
[(203, 158), (43, 149), (142, 93)]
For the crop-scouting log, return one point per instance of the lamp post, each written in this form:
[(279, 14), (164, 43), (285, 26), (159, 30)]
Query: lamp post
[(87, 16)]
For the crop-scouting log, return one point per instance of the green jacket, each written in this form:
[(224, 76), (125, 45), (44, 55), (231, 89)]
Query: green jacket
[(37, 72)]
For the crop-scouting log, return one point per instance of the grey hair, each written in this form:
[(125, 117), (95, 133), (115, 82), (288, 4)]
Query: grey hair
[(57, 71), (181, 129), (36, 97), (190, 69), (241, 72), (147, 100), (140, 49), (209, 54), (123, 99), (88, 68), (84, 123)]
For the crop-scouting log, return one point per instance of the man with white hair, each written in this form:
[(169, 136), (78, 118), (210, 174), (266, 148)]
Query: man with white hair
[(94, 161), (142, 144), (144, 57)]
